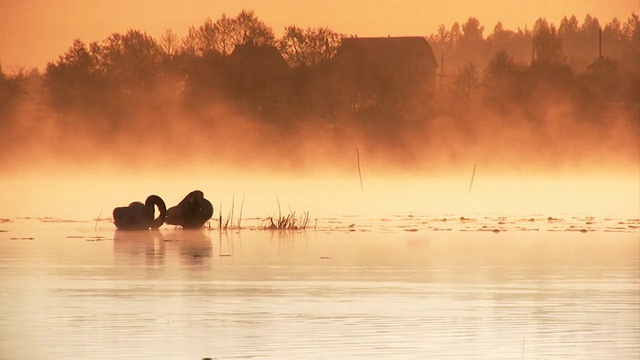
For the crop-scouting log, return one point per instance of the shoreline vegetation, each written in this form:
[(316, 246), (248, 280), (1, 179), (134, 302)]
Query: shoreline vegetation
[(281, 221), (231, 93)]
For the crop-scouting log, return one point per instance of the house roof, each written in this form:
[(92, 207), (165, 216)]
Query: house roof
[(390, 47), (265, 56)]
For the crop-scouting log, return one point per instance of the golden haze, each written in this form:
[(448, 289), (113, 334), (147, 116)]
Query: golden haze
[(576, 168)]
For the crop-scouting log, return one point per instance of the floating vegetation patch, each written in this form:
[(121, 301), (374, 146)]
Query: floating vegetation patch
[(520, 228), (49, 219), (58, 220), (88, 238), (96, 238), (433, 228)]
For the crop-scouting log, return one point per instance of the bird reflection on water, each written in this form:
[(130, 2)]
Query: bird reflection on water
[(155, 245)]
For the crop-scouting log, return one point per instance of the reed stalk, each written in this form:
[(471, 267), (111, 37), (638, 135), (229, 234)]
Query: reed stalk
[(97, 219), (241, 206), (230, 214), (359, 171), (279, 211), (472, 176)]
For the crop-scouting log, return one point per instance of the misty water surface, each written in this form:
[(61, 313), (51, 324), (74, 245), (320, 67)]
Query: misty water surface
[(406, 285)]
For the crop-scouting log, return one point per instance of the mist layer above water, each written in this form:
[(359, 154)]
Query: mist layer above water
[(81, 196)]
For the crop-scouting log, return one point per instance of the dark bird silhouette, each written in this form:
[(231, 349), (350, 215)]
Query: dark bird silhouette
[(192, 212), (139, 216)]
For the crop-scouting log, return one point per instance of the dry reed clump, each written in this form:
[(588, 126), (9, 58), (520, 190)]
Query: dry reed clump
[(280, 222), (287, 222), (230, 222)]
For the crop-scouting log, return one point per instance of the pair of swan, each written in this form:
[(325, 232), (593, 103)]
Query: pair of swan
[(191, 213)]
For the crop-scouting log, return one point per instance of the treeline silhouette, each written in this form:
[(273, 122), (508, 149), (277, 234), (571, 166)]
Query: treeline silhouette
[(230, 89)]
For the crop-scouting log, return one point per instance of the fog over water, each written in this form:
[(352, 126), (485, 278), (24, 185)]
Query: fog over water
[(557, 165), (558, 144), (565, 168)]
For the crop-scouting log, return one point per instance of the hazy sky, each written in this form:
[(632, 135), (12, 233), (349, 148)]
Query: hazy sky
[(33, 32)]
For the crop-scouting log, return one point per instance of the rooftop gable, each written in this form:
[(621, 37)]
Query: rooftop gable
[(383, 47)]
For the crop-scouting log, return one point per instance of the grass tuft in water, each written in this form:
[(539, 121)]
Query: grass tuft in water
[(287, 222)]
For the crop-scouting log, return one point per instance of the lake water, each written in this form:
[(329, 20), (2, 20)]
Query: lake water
[(399, 286)]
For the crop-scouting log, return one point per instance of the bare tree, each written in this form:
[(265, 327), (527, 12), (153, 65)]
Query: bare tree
[(222, 36), (226, 38), (308, 47), (249, 29), (466, 82), (169, 43)]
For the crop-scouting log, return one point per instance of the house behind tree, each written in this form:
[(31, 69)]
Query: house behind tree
[(406, 56), (376, 74), (385, 71), (259, 74)]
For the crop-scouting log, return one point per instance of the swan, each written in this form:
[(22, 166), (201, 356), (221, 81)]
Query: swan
[(192, 212), (139, 216)]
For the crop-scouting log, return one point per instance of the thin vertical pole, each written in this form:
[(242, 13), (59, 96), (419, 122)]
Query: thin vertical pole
[(442, 70), (599, 43), (359, 172), (533, 48)]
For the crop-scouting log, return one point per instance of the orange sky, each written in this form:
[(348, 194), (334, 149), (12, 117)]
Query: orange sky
[(33, 32)]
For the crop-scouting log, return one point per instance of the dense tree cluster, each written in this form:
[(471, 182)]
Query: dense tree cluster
[(571, 42), (235, 67), (587, 64)]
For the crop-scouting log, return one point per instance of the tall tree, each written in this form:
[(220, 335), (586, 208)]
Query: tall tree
[(128, 60), (472, 30), (590, 26), (568, 26), (226, 39), (442, 39), (222, 36), (169, 43), (74, 79), (502, 81), (189, 43), (547, 45), (308, 47), (632, 28), (466, 82), (251, 30)]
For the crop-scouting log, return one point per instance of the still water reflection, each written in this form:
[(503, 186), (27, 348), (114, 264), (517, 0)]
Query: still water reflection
[(375, 288)]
